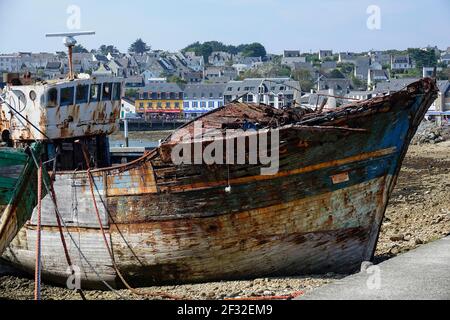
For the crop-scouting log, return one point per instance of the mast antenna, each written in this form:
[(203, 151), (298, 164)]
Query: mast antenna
[(69, 41)]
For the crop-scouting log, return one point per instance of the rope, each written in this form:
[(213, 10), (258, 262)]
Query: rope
[(72, 238), (37, 270), (63, 240), (133, 290)]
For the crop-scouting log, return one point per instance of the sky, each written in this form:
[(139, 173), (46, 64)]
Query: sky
[(340, 25)]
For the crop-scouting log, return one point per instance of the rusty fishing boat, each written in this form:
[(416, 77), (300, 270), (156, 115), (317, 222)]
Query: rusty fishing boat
[(156, 220)]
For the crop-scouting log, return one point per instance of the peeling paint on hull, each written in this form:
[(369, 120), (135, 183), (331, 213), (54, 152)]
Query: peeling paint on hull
[(173, 224)]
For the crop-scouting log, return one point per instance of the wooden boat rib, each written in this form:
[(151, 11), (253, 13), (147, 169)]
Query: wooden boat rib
[(170, 223)]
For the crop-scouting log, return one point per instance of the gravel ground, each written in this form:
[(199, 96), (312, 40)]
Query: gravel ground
[(418, 213)]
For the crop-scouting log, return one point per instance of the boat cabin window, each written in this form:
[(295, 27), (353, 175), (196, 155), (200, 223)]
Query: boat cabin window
[(52, 97), (21, 98), (117, 91), (82, 94), (107, 91), (95, 93), (66, 96)]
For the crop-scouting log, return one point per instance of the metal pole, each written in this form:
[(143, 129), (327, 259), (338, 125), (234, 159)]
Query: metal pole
[(71, 76)]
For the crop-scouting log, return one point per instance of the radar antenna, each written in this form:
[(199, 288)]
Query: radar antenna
[(69, 41)]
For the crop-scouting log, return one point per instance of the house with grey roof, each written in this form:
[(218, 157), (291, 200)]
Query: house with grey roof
[(192, 76), (375, 76), (277, 92), (325, 54), (347, 57), (53, 69), (290, 57), (200, 98), (401, 62), (340, 85), (328, 65), (442, 103), (219, 58), (160, 98), (393, 85), (445, 58)]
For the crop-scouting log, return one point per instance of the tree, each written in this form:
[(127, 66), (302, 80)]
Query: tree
[(79, 49), (139, 47), (345, 68), (336, 74), (131, 93), (105, 49), (254, 49), (423, 58), (205, 49), (61, 54)]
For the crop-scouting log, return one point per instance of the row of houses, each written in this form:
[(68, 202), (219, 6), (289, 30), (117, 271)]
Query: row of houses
[(192, 100)]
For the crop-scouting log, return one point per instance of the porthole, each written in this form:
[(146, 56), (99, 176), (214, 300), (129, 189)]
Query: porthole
[(32, 95)]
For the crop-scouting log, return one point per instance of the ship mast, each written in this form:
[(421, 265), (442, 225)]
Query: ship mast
[(69, 41)]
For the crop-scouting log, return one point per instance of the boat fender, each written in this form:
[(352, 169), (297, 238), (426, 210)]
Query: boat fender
[(228, 189)]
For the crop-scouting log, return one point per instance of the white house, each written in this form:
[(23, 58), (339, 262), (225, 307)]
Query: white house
[(277, 92), (401, 62), (201, 98), (10, 62)]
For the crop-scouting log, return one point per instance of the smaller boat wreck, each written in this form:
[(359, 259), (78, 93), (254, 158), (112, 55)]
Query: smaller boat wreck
[(165, 219)]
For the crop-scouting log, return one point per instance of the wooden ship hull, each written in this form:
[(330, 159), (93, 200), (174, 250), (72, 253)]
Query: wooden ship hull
[(18, 190), (176, 223)]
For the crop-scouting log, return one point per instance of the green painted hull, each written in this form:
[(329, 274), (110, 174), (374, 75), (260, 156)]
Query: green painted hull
[(18, 190)]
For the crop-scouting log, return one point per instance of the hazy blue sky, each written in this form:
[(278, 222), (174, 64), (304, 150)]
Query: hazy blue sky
[(277, 24)]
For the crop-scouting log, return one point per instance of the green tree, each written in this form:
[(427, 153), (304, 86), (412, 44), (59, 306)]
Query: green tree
[(254, 49), (336, 74), (423, 58), (345, 68), (105, 49), (79, 49), (131, 93), (139, 47)]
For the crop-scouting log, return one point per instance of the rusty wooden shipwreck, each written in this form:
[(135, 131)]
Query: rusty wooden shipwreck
[(169, 222)]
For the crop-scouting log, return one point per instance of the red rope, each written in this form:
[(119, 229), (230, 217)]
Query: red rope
[(119, 274), (285, 297), (37, 269), (61, 235)]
